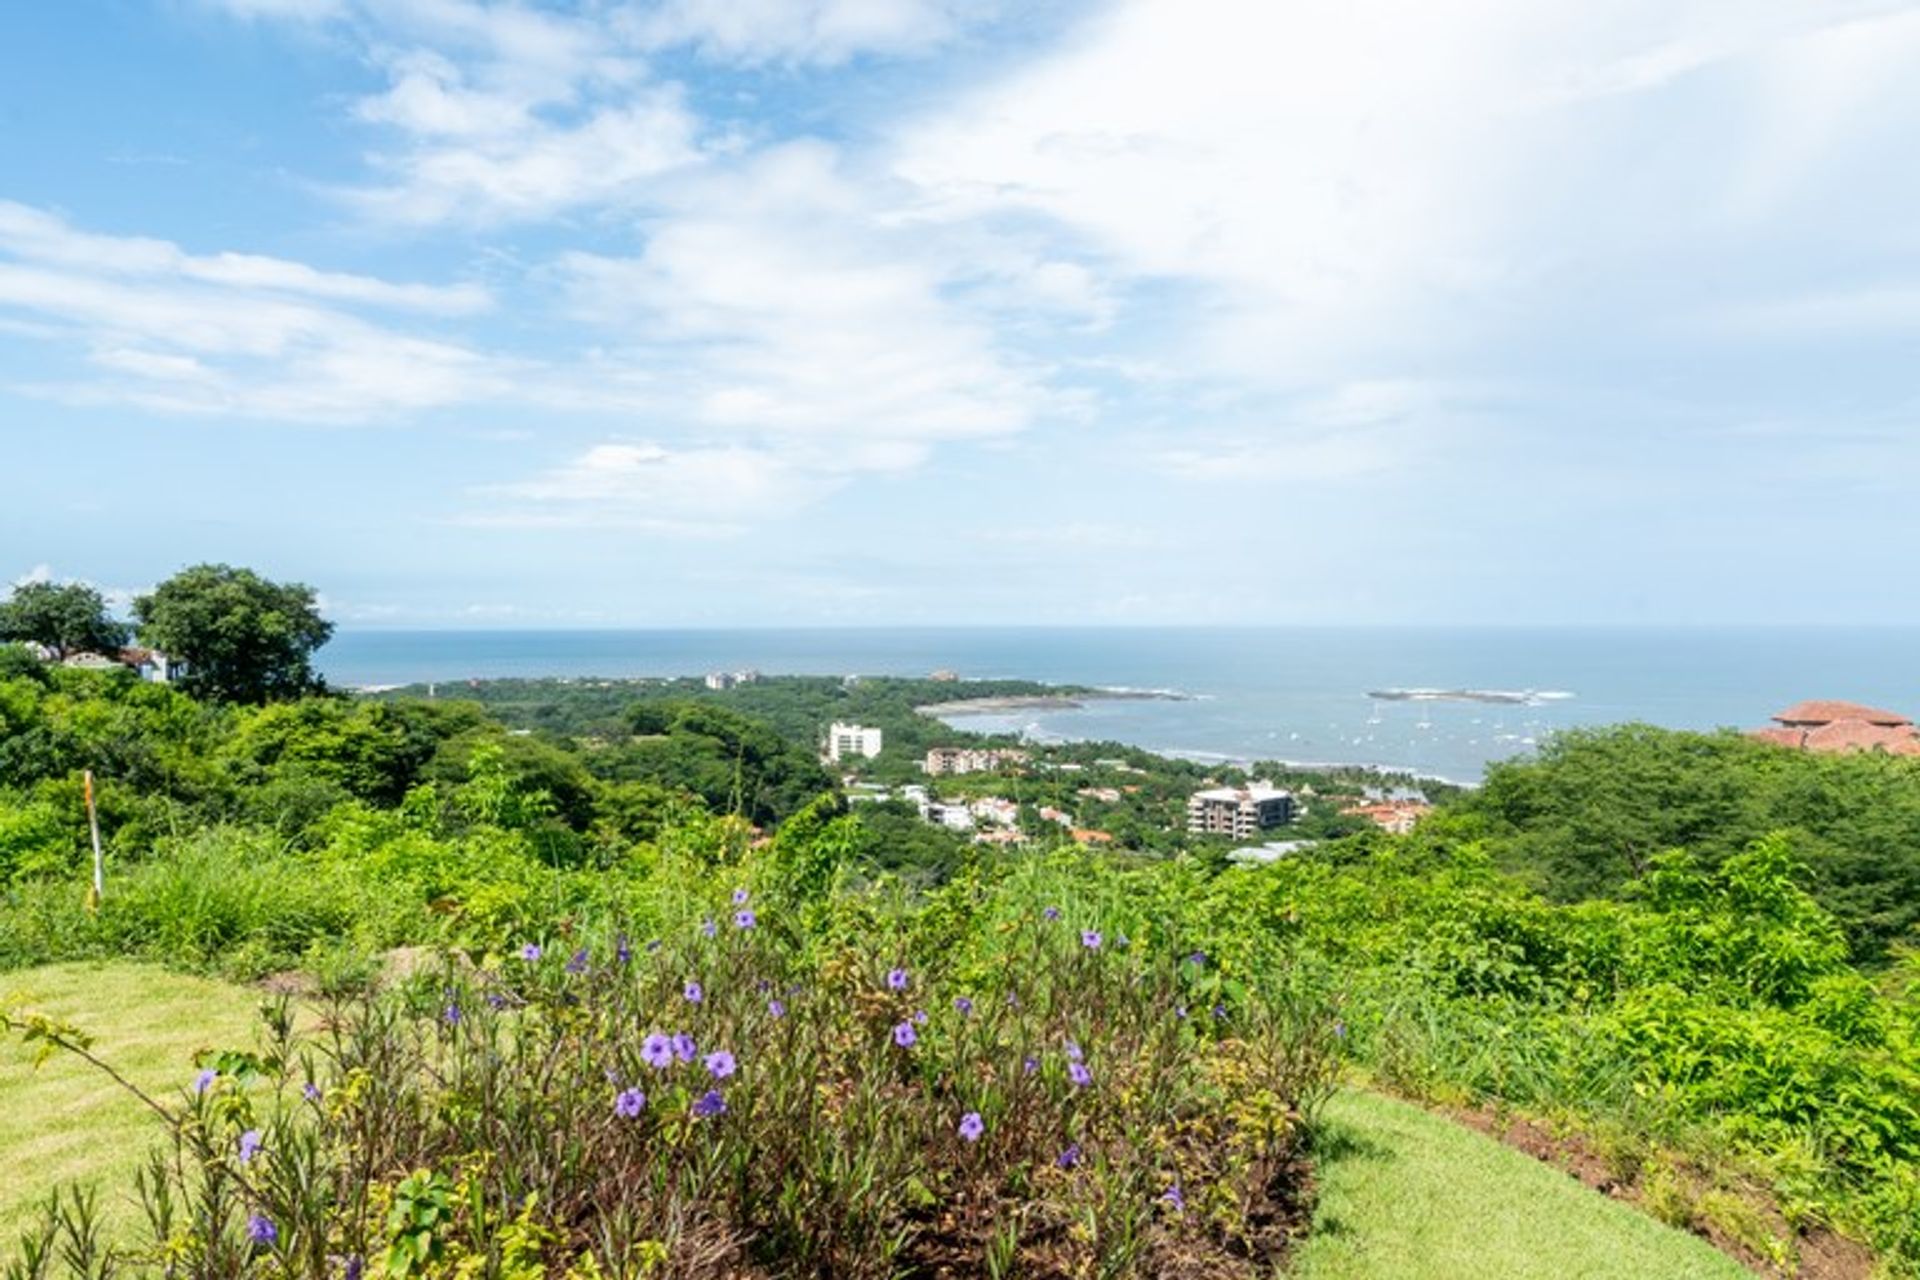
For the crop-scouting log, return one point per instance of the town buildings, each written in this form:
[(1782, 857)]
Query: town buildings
[(1239, 812), (1396, 816), (720, 680), (844, 741), (952, 760)]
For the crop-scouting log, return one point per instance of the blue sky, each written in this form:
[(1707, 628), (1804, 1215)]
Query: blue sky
[(683, 312)]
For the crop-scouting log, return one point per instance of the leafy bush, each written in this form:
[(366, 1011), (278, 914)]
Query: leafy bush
[(746, 1102)]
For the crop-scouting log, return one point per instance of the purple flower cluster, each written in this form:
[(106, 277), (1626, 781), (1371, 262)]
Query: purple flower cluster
[(628, 1103)]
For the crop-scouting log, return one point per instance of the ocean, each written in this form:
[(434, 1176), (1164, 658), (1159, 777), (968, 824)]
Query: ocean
[(1292, 694)]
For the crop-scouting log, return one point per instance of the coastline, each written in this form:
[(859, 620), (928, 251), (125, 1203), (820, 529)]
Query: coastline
[(1075, 701)]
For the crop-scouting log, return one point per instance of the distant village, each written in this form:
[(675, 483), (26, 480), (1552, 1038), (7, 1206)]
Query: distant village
[(1245, 814), (148, 664)]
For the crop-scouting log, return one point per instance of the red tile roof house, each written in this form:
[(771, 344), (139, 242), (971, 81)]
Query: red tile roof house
[(1842, 726)]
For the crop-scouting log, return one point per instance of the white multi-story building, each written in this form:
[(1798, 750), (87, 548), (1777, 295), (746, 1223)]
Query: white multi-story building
[(1240, 812), (948, 760), (845, 741)]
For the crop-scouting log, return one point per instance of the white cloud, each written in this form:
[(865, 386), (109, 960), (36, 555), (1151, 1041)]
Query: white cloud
[(230, 333), (34, 235), (784, 303), (510, 153), (702, 491), (1346, 186), (805, 31)]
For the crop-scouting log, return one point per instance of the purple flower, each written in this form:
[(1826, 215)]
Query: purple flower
[(1078, 1073), (719, 1064), (964, 1005), (1030, 1066), (1013, 1000), (310, 1091), (1174, 1198), (622, 950), (777, 1008), (920, 1017), (260, 1229), (683, 1047), (1340, 1029), (451, 1014), (972, 1126), (905, 1036), (1219, 1011), (1180, 1011), (1070, 1157), (657, 1051), (708, 927), (709, 1103), (1051, 913), (355, 1268), (1090, 939), (693, 993), (740, 897), (897, 979), (1073, 1051), (578, 964), (744, 919), (1198, 958), (497, 1000), (530, 952), (204, 1081), (627, 1103), (249, 1145)]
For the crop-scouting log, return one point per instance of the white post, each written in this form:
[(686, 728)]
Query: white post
[(99, 866)]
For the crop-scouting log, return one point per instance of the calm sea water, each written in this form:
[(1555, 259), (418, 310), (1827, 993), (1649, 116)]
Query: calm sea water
[(1296, 694)]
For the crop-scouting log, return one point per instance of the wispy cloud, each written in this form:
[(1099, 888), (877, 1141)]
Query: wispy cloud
[(230, 333)]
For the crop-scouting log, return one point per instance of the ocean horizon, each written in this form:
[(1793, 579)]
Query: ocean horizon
[(1295, 694)]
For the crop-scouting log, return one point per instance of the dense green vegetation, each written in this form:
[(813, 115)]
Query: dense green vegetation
[(1599, 807), (1696, 951)]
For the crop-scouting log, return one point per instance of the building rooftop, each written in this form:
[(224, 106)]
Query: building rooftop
[(1864, 735), (1256, 792), (1826, 711)]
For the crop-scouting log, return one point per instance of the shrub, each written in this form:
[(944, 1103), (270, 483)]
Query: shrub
[(740, 1103)]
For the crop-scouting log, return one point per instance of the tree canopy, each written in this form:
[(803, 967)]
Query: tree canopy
[(68, 617), (242, 638)]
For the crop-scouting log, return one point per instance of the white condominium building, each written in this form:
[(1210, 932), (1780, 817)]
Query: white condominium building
[(1239, 812)]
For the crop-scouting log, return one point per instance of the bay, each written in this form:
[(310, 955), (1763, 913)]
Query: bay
[(1297, 694)]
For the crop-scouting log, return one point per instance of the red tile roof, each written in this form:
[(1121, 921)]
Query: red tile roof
[(1863, 735), (1827, 711)]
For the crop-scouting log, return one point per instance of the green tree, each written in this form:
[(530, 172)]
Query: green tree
[(241, 637), (70, 617)]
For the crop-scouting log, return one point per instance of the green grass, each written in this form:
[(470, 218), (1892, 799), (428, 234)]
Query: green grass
[(66, 1120), (1408, 1195)]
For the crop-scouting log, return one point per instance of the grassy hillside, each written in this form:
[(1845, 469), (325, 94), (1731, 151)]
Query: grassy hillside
[(66, 1120), (1407, 1193)]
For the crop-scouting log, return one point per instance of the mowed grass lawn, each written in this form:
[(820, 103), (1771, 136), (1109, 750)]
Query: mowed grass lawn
[(1404, 1193), (66, 1120)]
